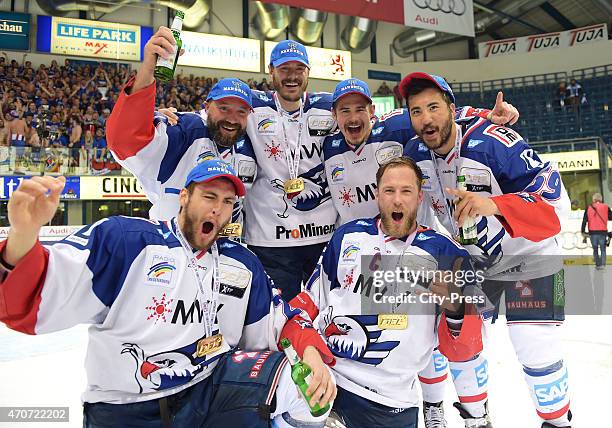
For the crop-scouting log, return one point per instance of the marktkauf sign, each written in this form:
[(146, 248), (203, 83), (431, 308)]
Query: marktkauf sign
[(542, 42), (14, 31), (224, 52)]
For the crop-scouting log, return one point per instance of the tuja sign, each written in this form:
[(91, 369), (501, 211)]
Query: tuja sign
[(542, 42)]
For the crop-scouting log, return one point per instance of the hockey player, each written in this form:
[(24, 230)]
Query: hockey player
[(168, 302), (161, 156), (363, 142), (516, 201), (352, 157), (378, 355), (289, 215)]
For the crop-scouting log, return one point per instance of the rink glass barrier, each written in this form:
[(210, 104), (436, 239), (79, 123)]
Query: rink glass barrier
[(58, 160)]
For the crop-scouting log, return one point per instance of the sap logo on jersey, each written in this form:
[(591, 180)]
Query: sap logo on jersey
[(552, 393), (160, 270), (378, 130), (304, 231)]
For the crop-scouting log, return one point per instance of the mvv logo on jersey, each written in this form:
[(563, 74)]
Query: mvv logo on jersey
[(160, 270)]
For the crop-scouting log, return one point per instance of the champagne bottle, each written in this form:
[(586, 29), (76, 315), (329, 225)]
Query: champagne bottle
[(468, 235), (164, 69), (301, 376)]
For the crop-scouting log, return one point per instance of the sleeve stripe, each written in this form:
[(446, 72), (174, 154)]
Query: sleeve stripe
[(20, 293), (130, 126)]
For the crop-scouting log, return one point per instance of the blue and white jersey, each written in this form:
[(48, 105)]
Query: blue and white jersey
[(130, 279), (351, 171), (529, 193), (374, 360), (160, 156), (272, 219)]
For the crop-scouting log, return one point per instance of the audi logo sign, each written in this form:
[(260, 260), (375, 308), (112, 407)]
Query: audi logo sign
[(447, 16), (456, 7)]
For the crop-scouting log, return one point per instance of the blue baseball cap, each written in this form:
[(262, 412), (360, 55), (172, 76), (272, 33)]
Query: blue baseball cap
[(351, 86), (212, 169), (437, 80), (231, 88), (289, 50)]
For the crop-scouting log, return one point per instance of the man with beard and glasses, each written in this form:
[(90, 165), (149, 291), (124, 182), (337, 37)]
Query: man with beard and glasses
[(168, 303), (160, 156), (351, 157), (379, 349), (516, 201)]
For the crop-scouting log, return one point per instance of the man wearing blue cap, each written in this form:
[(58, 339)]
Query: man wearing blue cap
[(352, 156), (168, 302), (289, 215), (160, 156), (516, 202)]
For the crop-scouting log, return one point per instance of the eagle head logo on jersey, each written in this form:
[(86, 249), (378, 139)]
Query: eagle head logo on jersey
[(316, 191), (164, 369), (356, 337)]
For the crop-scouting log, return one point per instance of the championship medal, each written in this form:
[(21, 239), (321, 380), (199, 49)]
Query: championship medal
[(294, 186), (208, 345)]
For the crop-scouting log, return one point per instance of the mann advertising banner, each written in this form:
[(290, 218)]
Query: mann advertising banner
[(330, 64), (543, 42), (15, 31), (447, 16), (98, 39)]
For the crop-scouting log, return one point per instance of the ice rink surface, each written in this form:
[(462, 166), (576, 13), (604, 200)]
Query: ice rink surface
[(49, 370)]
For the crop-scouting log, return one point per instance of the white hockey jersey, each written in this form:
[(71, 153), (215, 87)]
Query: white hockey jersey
[(351, 172), (129, 278), (271, 218), (373, 360), (160, 156), (529, 193)]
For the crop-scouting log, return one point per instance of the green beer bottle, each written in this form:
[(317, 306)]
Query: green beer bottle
[(468, 234), (164, 69), (301, 375)]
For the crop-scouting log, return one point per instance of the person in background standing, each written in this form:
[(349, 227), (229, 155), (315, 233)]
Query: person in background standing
[(597, 215)]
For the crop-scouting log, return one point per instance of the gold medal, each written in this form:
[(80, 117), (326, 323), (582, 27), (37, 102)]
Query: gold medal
[(232, 229), (208, 345), (392, 321), (294, 186)]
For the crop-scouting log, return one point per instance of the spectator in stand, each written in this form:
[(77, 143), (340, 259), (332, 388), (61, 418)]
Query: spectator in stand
[(384, 90), (561, 94), (100, 152), (575, 93), (597, 216), (3, 134), (399, 100)]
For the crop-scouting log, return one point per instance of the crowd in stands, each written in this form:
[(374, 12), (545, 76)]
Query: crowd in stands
[(56, 111)]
